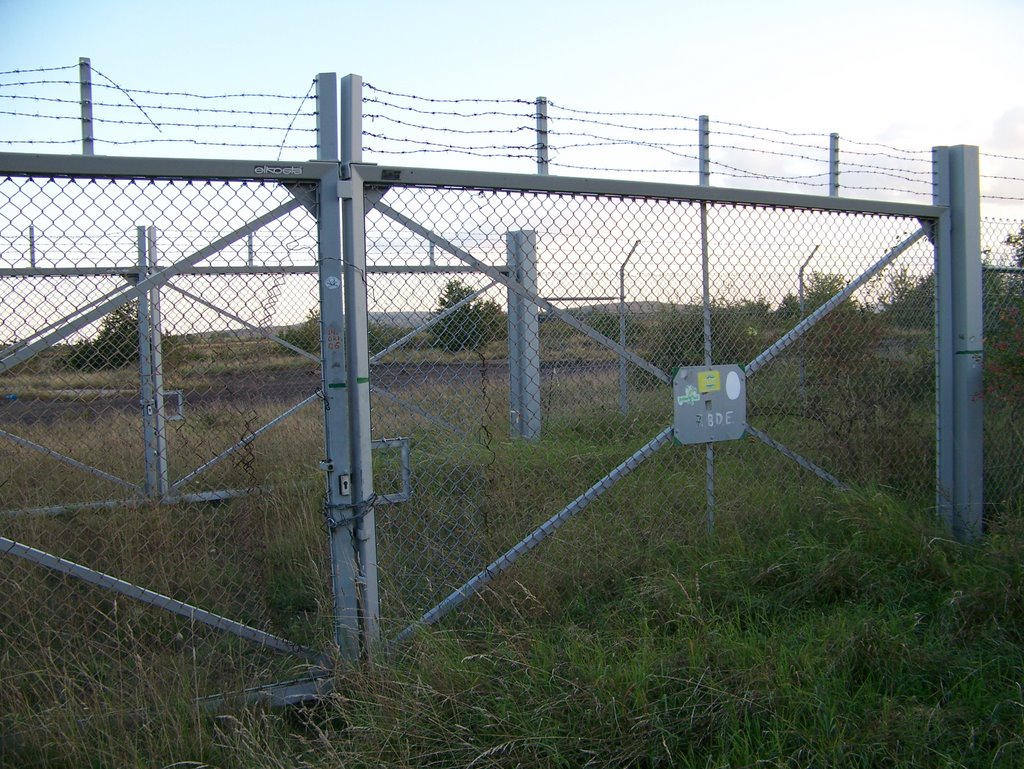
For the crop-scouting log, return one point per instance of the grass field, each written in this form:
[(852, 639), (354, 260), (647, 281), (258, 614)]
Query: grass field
[(816, 627)]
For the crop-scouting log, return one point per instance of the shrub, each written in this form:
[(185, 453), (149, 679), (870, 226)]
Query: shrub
[(116, 344), (470, 326)]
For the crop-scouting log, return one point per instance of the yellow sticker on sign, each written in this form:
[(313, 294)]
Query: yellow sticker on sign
[(709, 381)]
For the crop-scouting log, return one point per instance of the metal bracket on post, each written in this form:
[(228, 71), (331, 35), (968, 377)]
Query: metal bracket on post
[(960, 398)]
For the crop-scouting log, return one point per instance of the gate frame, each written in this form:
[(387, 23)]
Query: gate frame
[(950, 223)]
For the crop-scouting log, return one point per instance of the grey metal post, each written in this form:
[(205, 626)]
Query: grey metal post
[(85, 98), (32, 246), (705, 181), (960, 464), (337, 462), (358, 358), (146, 397), (157, 364), (250, 251), (833, 165), (704, 153), (623, 400), (542, 136), (524, 337)]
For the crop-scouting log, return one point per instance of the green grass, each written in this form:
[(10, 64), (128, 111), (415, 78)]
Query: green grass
[(815, 628)]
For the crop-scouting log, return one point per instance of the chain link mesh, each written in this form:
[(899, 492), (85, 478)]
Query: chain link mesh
[(170, 442), (1003, 297), (854, 397)]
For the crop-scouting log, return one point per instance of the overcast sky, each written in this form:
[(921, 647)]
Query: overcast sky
[(913, 73)]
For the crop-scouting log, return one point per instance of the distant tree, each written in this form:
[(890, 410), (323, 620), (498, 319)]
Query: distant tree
[(911, 300), (472, 325), (116, 344), (1016, 242)]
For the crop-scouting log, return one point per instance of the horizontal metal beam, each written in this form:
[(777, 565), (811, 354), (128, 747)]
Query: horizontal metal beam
[(109, 167), (393, 176)]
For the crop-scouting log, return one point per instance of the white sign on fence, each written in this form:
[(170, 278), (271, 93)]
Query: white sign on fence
[(710, 404)]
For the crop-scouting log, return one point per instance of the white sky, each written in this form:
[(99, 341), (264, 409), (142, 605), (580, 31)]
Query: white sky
[(912, 73)]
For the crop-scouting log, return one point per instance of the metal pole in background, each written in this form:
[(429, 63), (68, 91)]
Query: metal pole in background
[(147, 400), (358, 358), (85, 98), (336, 465), (542, 136), (705, 181), (623, 400), (960, 436), (833, 165), (704, 153), (524, 337), (157, 363), (32, 246)]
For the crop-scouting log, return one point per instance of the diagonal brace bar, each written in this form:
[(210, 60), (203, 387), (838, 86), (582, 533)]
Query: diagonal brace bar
[(800, 460), (801, 328), (251, 326), (433, 321), (98, 308), (499, 276), (98, 578), (26, 443), (245, 441), (505, 561)]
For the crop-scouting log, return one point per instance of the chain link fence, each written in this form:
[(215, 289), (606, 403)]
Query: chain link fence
[(158, 444), (1003, 287), (513, 406)]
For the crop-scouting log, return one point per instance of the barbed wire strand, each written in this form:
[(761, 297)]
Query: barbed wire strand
[(312, 85), (37, 69), (122, 90)]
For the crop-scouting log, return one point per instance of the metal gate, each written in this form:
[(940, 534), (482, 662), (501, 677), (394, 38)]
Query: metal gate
[(523, 331), (161, 430)]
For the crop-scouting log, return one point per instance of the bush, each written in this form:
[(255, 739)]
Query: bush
[(472, 325), (116, 344)]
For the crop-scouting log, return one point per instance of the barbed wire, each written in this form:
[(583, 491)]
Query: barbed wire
[(37, 69), (588, 132), (446, 129), (77, 118), (415, 97)]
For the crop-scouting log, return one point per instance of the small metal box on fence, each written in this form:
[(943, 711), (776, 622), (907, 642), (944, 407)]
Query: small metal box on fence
[(710, 404)]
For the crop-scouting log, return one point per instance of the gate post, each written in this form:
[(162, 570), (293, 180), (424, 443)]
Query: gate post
[(357, 351), (523, 336), (151, 377), (336, 464), (960, 396)]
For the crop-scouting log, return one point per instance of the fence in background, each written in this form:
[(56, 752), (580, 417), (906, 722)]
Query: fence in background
[(210, 362), (1003, 287)]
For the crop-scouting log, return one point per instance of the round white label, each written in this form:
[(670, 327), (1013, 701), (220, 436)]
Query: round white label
[(732, 385)]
